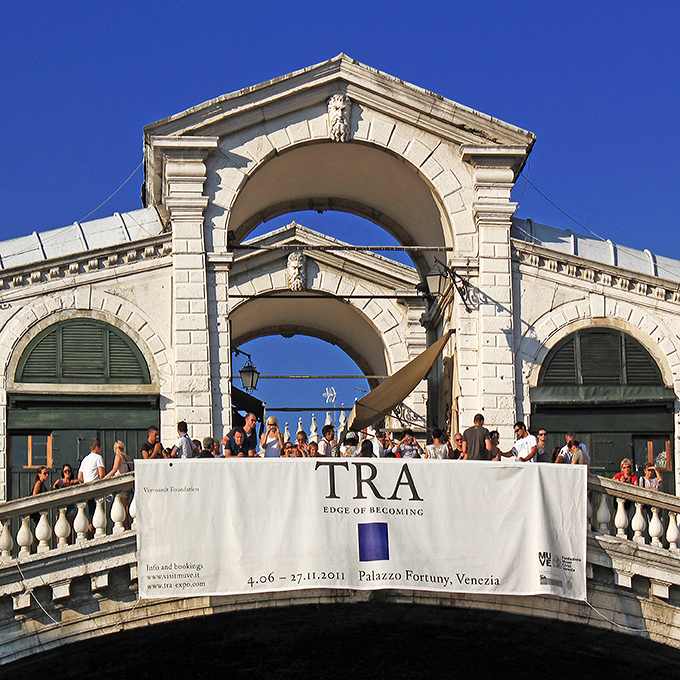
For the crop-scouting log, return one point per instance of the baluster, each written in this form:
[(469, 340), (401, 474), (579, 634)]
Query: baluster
[(6, 543), (118, 515), (81, 524), (314, 430), (656, 528), (329, 419), (132, 511), (590, 512), (639, 524), (672, 534), (342, 420), (25, 537), (43, 532), (99, 519), (621, 519), (286, 434), (300, 428), (603, 515), (62, 529)]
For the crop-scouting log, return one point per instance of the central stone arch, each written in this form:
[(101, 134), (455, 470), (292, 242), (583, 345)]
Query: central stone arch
[(337, 136), (362, 179), (337, 302)]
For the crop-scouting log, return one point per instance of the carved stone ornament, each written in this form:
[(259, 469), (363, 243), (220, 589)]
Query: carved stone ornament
[(339, 113), (297, 271)]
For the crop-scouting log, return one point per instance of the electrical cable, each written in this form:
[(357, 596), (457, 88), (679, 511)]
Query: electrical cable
[(633, 253), (114, 193)]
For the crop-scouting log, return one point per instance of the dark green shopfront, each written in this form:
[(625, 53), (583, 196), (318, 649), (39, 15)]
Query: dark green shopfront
[(90, 373)]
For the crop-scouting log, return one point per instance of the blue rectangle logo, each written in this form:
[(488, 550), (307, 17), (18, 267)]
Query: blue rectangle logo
[(373, 542)]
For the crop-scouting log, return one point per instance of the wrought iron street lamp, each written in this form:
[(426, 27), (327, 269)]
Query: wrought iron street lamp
[(248, 373), (436, 282)]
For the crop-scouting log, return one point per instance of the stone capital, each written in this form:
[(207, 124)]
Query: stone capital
[(175, 164)]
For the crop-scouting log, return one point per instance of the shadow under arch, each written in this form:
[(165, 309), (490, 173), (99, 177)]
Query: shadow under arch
[(352, 177), (321, 316), (331, 641)]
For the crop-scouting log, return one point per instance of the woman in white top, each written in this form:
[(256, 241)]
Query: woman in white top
[(649, 482), (271, 441), (437, 449)]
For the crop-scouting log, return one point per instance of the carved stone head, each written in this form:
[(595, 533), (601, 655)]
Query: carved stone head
[(339, 114), (297, 271)]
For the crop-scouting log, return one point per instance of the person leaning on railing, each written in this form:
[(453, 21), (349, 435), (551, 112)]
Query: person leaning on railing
[(626, 475), (63, 483), (647, 482)]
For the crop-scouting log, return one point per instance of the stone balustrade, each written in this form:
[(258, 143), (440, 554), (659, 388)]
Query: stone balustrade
[(634, 533), (48, 537), (633, 513)]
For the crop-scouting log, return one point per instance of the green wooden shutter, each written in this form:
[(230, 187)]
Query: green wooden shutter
[(600, 358), (82, 351), (603, 357), (560, 368), (123, 364), (41, 363), (641, 369)]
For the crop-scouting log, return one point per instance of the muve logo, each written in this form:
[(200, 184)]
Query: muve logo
[(545, 558)]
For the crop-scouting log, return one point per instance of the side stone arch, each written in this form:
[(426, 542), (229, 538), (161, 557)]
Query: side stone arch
[(38, 314), (655, 336), (645, 327), (44, 312)]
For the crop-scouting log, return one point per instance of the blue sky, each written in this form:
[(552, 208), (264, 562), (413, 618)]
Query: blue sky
[(596, 82)]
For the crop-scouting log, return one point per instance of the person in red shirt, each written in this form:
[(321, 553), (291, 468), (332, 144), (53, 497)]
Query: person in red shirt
[(626, 475)]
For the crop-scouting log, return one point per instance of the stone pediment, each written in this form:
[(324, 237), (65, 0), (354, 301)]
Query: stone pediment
[(367, 86), (265, 250), (360, 90)]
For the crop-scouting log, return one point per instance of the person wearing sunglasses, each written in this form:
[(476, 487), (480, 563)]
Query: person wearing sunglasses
[(626, 475), (457, 453), (542, 453), (524, 449)]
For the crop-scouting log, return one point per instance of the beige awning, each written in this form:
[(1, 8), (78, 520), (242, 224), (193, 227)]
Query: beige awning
[(392, 391)]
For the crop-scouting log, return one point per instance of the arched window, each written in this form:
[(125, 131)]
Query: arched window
[(82, 351), (606, 387), (599, 356)]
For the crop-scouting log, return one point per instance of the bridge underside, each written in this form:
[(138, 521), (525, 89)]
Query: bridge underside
[(377, 638)]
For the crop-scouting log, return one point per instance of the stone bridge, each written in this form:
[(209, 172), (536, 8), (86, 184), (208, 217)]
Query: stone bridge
[(69, 602)]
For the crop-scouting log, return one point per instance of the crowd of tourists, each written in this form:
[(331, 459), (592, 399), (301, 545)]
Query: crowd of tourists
[(474, 443)]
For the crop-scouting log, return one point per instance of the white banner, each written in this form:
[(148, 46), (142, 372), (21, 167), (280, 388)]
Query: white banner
[(220, 527)]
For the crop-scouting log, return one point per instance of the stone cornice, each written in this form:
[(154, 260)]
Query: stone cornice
[(88, 266), (591, 272)]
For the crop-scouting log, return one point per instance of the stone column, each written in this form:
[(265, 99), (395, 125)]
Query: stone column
[(495, 170), (184, 173), (220, 340)]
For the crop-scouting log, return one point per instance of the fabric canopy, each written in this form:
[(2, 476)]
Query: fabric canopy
[(392, 391), (242, 401), (600, 394)]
